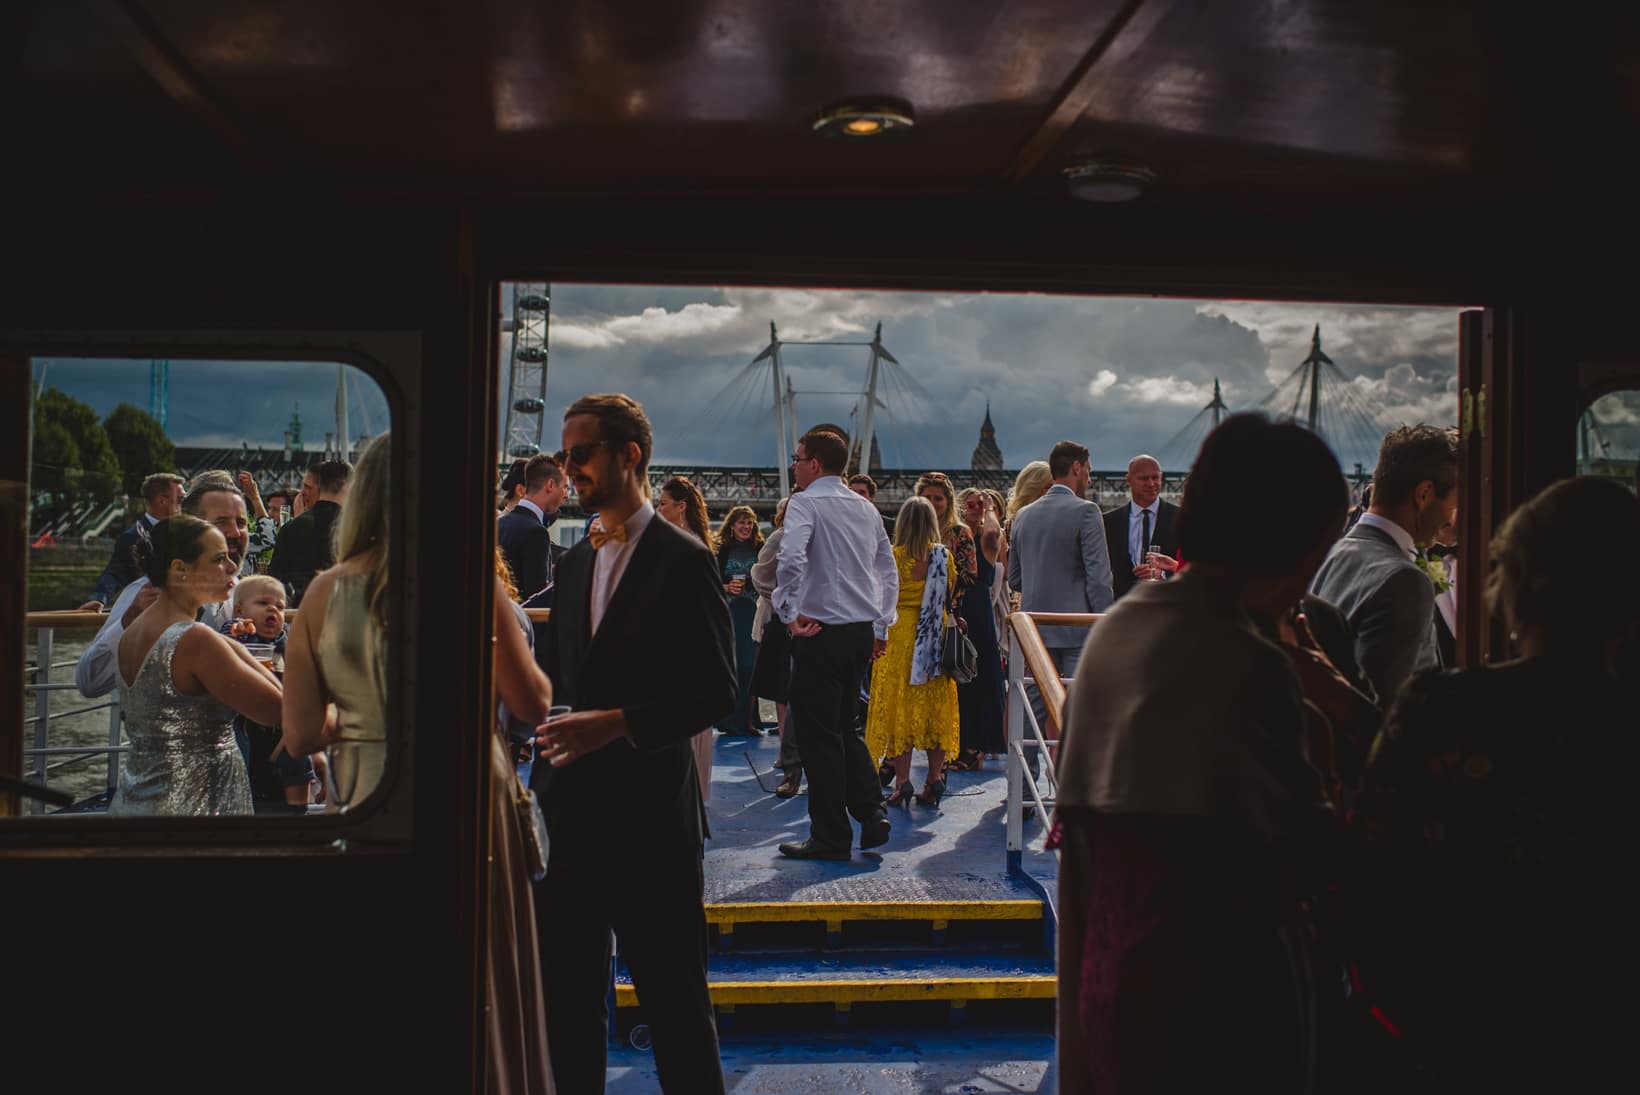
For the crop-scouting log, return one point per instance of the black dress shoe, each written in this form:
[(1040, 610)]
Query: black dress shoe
[(874, 834), (810, 850)]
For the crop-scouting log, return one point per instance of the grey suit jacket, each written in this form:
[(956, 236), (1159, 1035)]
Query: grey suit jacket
[(1389, 602), (1058, 561)]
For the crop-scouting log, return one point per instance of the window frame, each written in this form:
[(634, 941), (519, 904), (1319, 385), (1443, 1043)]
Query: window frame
[(383, 822)]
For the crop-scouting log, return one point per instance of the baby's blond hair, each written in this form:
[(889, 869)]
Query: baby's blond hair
[(246, 586)]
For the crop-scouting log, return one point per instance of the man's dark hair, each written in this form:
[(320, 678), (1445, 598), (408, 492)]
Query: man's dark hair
[(194, 501), (282, 493), (1214, 522), (866, 481), (1063, 456), (1411, 455), (540, 470), (620, 420), (332, 475), (157, 484), (827, 447)]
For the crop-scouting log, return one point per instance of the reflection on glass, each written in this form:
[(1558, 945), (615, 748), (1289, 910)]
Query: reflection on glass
[(1608, 437), (166, 494)]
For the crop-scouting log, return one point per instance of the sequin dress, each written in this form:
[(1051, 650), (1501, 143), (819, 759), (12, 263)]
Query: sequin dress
[(183, 759), (903, 715)]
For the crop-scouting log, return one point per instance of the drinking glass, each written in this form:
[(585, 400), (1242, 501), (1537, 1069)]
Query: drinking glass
[(1157, 574)]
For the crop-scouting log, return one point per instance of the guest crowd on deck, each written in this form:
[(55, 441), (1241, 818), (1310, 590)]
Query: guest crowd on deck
[(1266, 736)]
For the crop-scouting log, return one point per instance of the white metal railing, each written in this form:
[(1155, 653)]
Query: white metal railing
[(1024, 731), (42, 758)]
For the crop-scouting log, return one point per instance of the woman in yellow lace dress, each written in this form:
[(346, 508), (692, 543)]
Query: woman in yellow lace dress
[(905, 716)]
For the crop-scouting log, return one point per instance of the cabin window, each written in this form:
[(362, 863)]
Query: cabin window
[(244, 496), (1608, 437)]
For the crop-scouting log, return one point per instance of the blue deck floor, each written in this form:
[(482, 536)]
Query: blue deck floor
[(956, 852)]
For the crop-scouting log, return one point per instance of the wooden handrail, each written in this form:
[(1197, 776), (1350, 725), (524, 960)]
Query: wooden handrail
[(1048, 684), (71, 619)]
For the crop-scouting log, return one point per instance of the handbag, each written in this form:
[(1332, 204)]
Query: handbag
[(958, 658), (534, 825)]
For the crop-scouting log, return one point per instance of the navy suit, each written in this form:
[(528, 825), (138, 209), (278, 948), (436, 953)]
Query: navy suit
[(528, 550), (122, 567)]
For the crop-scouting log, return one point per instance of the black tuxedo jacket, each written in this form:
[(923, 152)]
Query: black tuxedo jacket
[(1164, 532), (527, 547), (664, 655), (122, 567)]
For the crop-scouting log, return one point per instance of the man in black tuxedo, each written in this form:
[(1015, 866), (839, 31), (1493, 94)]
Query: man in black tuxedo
[(640, 644), (522, 533), (1145, 520)]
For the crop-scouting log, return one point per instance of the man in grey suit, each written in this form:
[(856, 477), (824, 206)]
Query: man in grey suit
[(1372, 574), (1059, 562)]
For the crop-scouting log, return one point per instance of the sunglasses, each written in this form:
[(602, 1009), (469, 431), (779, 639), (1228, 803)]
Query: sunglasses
[(580, 454)]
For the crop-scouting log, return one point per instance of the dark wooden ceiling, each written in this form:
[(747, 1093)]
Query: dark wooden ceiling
[(1338, 103)]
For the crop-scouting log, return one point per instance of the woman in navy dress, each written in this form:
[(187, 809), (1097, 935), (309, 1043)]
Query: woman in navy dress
[(980, 701)]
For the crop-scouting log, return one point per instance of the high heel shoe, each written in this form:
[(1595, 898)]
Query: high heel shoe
[(932, 794), (885, 773), (901, 797)]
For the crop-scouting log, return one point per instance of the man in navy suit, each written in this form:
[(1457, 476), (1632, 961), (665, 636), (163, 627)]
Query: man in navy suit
[(522, 533), (162, 492), (1145, 520)]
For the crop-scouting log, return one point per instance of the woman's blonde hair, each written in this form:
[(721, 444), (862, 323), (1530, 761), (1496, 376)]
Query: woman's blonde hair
[(917, 528), (504, 575), (362, 527), (1031, 483), (938, 480)]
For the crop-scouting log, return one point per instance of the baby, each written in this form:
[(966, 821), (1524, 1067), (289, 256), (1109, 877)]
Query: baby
[(276, 776), (259, 611)]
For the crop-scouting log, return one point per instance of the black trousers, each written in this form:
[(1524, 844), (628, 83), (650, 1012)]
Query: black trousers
[(653, 907), (824, 707)]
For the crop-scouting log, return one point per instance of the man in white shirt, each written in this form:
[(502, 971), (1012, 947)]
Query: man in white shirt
[(1372, 574), (835, 590), (216, 502)]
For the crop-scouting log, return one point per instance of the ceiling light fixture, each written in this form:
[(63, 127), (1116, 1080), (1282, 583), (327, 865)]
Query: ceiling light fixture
[(864, 118), (1106, 179)]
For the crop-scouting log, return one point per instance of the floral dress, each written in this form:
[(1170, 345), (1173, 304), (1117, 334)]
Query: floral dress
[(902, 715)]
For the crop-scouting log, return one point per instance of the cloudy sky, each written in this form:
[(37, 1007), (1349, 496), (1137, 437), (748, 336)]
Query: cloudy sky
[(1122, 375)]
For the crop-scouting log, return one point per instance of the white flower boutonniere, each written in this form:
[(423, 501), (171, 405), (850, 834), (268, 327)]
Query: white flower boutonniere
[(1436, 570)]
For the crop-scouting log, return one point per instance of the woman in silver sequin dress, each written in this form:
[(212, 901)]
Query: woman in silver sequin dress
[(180, 683)]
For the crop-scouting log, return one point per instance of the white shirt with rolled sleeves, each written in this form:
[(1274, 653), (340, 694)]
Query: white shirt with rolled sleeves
[(836, 565), (97, 671)]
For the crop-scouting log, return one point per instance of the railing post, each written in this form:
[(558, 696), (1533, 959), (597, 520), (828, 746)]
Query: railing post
[(113, 737), (1016, 736), (42, 708)]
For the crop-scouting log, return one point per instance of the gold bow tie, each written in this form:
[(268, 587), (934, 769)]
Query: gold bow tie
[(600, 537)]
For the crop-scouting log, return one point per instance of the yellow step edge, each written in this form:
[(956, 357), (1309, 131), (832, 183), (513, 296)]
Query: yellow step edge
[(1038, 987), (757, 912)]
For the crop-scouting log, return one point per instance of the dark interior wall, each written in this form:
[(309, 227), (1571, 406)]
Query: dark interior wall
[(336, 964)]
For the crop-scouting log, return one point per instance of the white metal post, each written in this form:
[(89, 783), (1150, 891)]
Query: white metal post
[(42, 709), (783, 457), (1016, 738)]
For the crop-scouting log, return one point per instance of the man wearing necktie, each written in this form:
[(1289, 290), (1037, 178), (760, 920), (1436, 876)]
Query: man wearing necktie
[(522, 532), (1145, 520), (640, 645)]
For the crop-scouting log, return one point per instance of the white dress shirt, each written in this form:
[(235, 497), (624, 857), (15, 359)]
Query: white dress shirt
[(525, 503), (97, 671), (1402, 538), (611, 561), (1136, 529), (835, 565)]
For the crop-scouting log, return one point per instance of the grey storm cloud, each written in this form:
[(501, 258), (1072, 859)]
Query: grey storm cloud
[(1122, 375)]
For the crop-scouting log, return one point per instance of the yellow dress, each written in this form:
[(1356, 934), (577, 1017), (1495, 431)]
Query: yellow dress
[(902, 715)]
